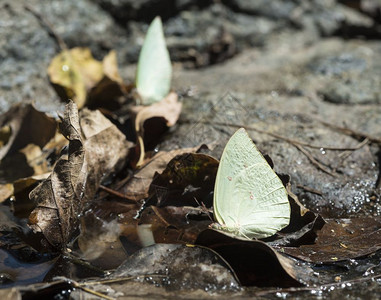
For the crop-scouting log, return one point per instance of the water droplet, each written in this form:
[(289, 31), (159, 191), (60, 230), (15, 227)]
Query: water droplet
[(65, 68), (274, 94)]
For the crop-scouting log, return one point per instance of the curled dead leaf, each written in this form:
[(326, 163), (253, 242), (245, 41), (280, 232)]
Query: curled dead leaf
[(152, 121), (96, 149)]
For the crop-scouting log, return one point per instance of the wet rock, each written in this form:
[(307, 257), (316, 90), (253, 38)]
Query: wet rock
[(126, 10), (27, 48), (327, 16), (200, 33), (352, 75), (371, 8)]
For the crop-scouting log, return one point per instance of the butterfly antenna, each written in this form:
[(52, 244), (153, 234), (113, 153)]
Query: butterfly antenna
[(204, 208)]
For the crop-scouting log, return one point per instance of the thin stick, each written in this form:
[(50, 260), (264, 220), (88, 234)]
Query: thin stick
[(84, 263), (344, 155), (87, 290), (314, 161), (310, 190), (61, 44), (116, 193), (291, 141), (158, 214), (113, 280), (300, 145), (314, 288), (353, 133)]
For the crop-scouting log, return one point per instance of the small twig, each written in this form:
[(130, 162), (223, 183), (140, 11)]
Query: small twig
[(310, 190), (314, 288), (90, 291), (346, 154), (116, 193), (158, 214), (291, 141), (353, 133), (48, 25), (204, 209), (83, 263), (300, 145), (314, 161), (120, 279)]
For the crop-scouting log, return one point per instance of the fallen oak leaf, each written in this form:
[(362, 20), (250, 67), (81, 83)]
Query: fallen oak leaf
[(75, 178)]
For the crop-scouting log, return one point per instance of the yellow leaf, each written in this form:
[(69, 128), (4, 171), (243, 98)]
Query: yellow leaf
[(110, 67), (76, 71)]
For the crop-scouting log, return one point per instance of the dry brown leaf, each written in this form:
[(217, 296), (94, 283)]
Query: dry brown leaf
[(24, 132), (6, 191), (75, 71), (169, 109), (107, 91), (341, 239), (110, 67), (96, 149), (188, 180), (160, 115), (23, 125), (136, 187), (256, 263)]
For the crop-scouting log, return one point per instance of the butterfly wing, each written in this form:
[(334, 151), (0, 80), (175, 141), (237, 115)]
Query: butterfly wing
[(263, 207), (248, 194)]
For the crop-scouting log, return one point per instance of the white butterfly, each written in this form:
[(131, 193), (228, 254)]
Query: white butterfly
[(250, 200)]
